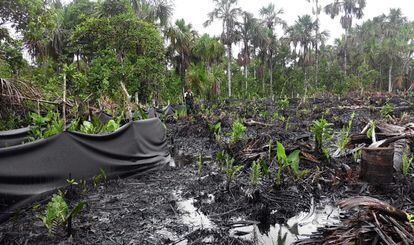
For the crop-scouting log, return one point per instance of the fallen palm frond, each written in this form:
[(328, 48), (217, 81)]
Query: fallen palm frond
[(14, 91), (375, 222)]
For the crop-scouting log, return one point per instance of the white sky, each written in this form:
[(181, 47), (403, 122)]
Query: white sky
[(195, 12)]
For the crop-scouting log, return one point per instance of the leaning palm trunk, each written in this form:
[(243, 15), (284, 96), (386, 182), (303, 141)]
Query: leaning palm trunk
[(229, 68)]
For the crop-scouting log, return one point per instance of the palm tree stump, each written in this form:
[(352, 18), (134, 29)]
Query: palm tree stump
[(377, 165)]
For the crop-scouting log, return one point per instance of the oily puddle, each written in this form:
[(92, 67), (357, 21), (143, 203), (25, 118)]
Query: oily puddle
[(298, 227)]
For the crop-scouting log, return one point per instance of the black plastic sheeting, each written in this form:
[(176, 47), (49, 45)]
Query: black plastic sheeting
[(27, 171), (14, 137)]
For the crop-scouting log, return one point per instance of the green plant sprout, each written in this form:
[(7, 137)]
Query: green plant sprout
[(221, 159), (371, 131), (180, 114), (322, 131), (291, 161), (216, 129), (238, 131), (255, 174), (284, 103), (57, 214), (99, 178), (387, 110), (72, 182), (200, 164), (345, 135), (111, 126), (407, 161), (232, 172)]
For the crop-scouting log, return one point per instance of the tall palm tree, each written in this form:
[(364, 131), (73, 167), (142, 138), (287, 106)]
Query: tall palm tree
[(248, 27), (226, 11), (210, 51), (156, 11), (316, 11), (182, 38), (301, 35), (348, 9), (271, 19)]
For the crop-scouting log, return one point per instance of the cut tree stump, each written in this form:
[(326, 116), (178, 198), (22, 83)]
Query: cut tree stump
[(377, 165)]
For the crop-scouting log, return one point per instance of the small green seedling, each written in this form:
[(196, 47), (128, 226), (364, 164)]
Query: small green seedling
[(255, 174), (232, 172), (57, 214), (216, 129), (322, 131), (99, 178), (387, 110), (200, 164), (238, 131), (72, 182), (345, 135), (291, 161), (407, 161), (221, 159)]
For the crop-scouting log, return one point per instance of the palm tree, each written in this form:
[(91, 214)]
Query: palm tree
[(210, 51), (226, 11), (316, 10), (156, 11), (349, 9), (271, 19), (248, 29), (182, 38), (301, 35)]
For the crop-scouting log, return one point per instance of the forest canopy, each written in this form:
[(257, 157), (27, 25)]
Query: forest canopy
[(97, 45)]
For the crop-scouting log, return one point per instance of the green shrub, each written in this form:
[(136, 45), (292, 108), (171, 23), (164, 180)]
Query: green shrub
[(44, 127)]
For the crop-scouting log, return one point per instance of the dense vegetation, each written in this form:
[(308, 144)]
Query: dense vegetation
[(97, 45)]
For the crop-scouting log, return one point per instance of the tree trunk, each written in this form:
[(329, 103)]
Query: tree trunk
[(317, 46), (390, 79), (245, 76), (263, 78), (182, 71), (346, 52), (229, 68), (271, 74)]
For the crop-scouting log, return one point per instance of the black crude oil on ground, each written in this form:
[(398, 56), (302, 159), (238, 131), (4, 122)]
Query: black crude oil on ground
[(191, 202)]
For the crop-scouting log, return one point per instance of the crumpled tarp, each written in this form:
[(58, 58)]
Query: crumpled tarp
[(32, 169)]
